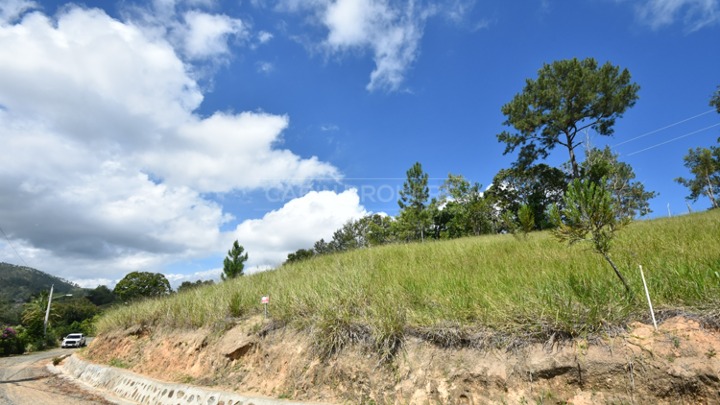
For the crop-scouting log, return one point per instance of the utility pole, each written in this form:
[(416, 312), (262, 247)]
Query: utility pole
[(47, 312)]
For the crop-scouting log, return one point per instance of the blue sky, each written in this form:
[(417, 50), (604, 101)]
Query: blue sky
[(150, 135)]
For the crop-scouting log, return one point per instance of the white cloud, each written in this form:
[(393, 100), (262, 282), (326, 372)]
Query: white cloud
[(198, 35), (11, 10), (206, 35), (694, 14), (264, 37), (391, 31), (105, 162), (312, 217)]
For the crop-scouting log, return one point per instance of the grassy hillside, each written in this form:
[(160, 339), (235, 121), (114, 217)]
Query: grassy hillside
[(468, 291)]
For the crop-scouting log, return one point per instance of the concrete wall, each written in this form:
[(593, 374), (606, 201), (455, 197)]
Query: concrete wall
[(133, 387)]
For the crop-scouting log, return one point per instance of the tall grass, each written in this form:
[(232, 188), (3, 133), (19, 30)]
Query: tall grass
[(450, 291)]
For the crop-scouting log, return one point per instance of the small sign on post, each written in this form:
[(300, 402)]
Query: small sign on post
[(265, 301)]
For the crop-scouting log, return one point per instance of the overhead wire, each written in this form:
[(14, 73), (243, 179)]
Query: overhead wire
[(663, 128), (13, 247), (674, 139)]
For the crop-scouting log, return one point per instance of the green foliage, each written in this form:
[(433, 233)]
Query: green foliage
[(10, 341), (462, 210), (33, 316), (234, 263), (629, 197), (298, 255), (526, 219), (704, 164), (568, 97), (538, 187), (414, 218), (19, 283), (101, 295), (590, 214), (142, 284), (188, 285), (715, 100)]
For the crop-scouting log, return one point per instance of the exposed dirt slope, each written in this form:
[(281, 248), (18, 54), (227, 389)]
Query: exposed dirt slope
[(678, 364)]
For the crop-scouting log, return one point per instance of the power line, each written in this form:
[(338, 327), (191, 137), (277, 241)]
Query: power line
[(13, 247), (674, 139), (663, 128)]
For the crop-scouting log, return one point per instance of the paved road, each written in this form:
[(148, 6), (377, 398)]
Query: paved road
[(25, 380)]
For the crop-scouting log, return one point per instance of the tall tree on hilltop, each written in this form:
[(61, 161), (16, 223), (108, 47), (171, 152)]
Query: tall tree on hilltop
[(234, 263), (569, 96), (141, 284), (413, 201)]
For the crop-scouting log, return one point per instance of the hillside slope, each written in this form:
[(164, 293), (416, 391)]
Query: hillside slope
[(487, 319), (19, 283)]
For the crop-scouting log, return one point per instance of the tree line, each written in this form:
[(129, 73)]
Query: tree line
[(567, 99)]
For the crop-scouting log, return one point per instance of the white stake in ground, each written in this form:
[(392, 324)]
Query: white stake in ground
[(647, 294)]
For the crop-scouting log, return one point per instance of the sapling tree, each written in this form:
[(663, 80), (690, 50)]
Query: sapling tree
[(590, 214), (234, 263)]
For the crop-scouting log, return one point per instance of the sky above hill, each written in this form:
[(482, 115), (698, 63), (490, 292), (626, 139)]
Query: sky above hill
[(148, 136)]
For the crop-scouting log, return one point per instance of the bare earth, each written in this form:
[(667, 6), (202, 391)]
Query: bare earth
[(26, 380), (679, 364)]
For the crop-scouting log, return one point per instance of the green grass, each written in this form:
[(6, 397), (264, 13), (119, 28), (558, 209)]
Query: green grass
[(476, 290)]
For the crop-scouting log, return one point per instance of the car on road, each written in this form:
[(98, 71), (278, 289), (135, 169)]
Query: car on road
[(73, 340)]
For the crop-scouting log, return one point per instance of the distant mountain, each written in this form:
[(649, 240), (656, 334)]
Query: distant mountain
[(20, 283)]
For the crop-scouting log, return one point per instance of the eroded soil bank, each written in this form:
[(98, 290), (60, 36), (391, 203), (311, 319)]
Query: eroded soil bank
[(680, 363)]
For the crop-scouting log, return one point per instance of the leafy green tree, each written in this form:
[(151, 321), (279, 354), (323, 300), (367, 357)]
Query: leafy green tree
[(101, 295), (234, 263), (33, 316), (630, 197), (142, 284), (462, 210), (704, 164), (414, 215), (715, 100), (537, 186), (76, 309), (568, 97), (189, 285), (590, 214), (299, 255)]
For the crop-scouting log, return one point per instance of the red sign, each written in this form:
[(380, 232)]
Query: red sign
[(265, 300)]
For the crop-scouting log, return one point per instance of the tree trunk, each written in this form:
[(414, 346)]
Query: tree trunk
[(617, 272), (573, 161), (710, 192)]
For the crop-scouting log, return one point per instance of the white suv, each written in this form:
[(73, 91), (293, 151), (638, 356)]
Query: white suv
[(74, 340)]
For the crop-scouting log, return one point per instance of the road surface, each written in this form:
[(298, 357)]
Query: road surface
[(26, 380)]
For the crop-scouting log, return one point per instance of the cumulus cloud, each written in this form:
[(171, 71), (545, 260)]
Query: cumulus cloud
[(106, 165), (11, 10), (197, 33), (391, 31), (206, 35), (313, 217), (694, 14)]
